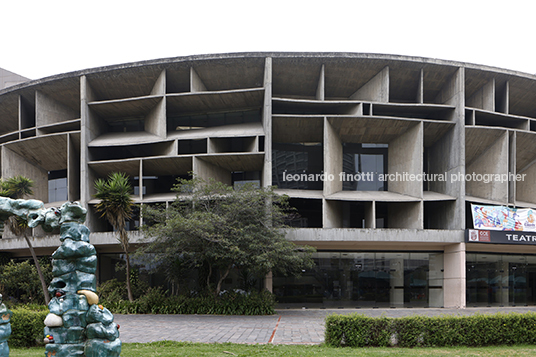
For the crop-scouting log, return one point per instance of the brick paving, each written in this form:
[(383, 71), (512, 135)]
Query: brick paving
[(291, 326)]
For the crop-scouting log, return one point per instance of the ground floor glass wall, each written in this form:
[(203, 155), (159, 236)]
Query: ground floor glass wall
[(500, 280), (365, 279)]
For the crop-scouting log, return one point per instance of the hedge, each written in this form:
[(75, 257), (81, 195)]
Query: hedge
[(27, 325), (155, 301), (357, 330)]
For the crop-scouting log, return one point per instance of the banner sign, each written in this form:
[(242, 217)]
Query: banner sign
[(501, 218), (499, 237)]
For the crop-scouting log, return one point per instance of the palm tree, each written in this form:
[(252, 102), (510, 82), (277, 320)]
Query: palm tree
[(116, 206), (16, 188)]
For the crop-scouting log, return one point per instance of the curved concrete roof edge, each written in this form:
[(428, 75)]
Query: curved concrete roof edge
[(234, 55)]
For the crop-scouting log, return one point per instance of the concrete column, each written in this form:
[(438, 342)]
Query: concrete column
[(73, 169), (435, 280), (332, 159), (504, 285), (420, 89), (320, 90), (269, 282), (452, 142), (267, 124), (512, 138), (397, 281), (454, 277)]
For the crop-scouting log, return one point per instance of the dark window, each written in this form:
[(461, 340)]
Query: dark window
[(303, 159), (189, 122), (57, 186), (364, 166)]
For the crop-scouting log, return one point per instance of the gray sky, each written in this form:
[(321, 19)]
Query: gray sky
[(43, 38)]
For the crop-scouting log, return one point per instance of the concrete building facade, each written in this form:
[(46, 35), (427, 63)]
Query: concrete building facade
[(382, 156)]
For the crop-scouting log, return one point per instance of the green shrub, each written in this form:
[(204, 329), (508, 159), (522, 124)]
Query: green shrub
[(27, 325), (478, 330), (156, 301)]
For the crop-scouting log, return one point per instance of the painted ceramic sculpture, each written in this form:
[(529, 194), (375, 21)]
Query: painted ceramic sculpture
[(5, 328), (76, 325)]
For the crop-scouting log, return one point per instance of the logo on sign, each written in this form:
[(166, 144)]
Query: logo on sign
[(484, 236), (479, 236), (473, 235)]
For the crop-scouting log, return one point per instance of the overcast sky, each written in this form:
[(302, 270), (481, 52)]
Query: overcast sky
[(44, 38)]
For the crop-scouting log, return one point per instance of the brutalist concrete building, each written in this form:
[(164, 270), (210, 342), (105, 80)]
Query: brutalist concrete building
[(381, 155)]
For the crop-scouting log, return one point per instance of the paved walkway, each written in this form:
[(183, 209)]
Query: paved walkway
[(285, 327)]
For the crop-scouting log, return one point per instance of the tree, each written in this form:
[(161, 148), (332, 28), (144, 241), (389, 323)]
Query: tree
[(16, 188), (117, 206), (217, 227)]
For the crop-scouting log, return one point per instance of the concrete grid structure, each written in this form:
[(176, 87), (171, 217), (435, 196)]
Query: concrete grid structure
[(273, 117)]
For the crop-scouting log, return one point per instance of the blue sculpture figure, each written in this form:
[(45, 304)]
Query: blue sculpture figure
[(5, 328), (76, 325)]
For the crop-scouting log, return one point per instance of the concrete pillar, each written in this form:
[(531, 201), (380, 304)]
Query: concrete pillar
[(320, 95), (454, 278), (503, 293), (397, 281), (332, 159), (435, 280), (269, 282), (452, 142), (267, 124)]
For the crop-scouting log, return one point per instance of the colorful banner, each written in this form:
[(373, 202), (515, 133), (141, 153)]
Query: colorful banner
[(501, 218)]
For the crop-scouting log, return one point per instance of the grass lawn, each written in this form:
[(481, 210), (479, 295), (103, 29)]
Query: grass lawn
[(170, 348)]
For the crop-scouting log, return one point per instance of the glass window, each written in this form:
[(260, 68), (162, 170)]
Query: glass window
[(366, 279), (363, 165), (57, 186), (500, 280), (297, 166)]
